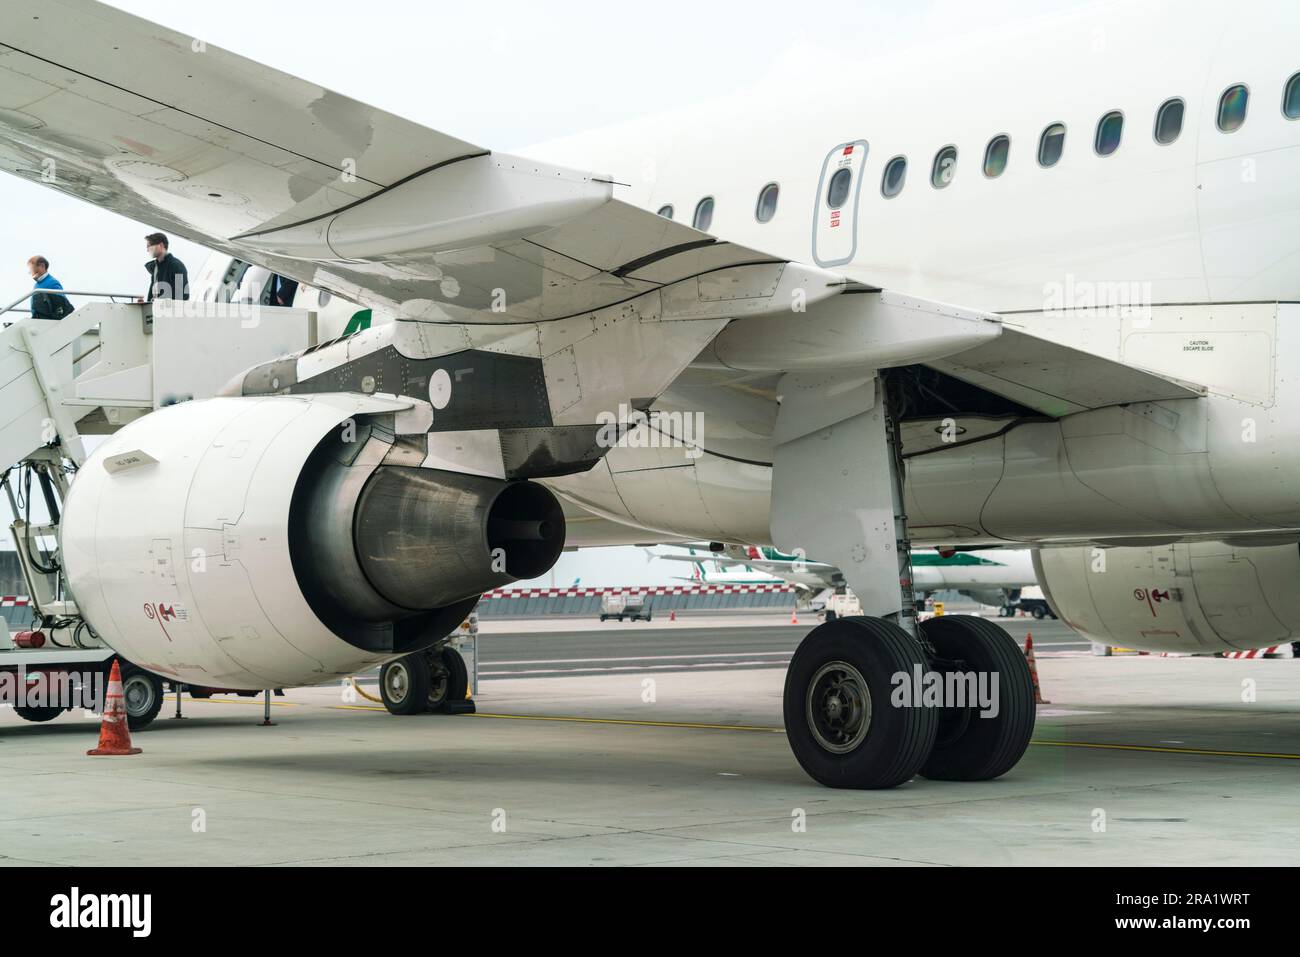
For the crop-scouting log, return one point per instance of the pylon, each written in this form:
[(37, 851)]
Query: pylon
[(794, 616), (672, 615), (1033, 669), (114, 735)]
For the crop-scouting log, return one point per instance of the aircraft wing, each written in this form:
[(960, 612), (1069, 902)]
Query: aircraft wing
[(162, 128), (207, 145)]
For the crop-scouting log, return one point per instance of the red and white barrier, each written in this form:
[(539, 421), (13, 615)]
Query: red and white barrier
[(1277, 651)]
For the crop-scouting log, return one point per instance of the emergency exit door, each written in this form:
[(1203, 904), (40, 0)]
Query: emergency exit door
[(835, 214)]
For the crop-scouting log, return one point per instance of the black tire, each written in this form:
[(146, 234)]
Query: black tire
[(448, 679), (604, 618), (831, 616), (37, 714), (971, 747), (404, 684), (1038, 613), (142, 693), (895, 741)]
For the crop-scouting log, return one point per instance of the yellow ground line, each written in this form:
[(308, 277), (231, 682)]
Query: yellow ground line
[(638, 723), (1145, 747), (257, 701)]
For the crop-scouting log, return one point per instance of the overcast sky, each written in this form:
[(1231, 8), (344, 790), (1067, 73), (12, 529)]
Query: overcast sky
[(503, 74)]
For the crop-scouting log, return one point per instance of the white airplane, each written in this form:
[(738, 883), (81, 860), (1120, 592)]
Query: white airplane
[(1039, 287), (993, 577)]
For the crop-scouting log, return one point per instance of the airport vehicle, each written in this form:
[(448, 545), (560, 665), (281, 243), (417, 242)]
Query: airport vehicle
[(622, 604), (1029, 600), (1052, 305), (842, 605), (55, 678)]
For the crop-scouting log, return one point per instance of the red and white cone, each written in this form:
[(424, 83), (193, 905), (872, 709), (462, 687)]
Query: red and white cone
[(1033, 669), (672, 615), (114, 735), (794, 617)]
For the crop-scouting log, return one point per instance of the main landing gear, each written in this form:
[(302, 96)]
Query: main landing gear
[(871, 702), (867, 706), (428, 681)]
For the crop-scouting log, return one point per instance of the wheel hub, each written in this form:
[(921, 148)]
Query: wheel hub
[(396, 683), (138, 695), (838, 707)]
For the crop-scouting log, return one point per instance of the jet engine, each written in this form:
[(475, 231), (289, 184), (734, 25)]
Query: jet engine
[(1200, 597), (283, 540)]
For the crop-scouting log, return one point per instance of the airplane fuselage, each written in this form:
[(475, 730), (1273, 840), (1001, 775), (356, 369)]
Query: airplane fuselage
[(1181, 257)]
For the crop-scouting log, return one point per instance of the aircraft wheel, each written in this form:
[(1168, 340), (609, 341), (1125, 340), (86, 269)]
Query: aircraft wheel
[(971, 746), (839, 717), (404, 684), (37, 714), (142, 692), (449, 678)]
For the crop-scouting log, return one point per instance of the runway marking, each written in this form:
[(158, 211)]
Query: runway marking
[(257, 701), (583, 661), (1146, 747), (630, 669), (636, 722)]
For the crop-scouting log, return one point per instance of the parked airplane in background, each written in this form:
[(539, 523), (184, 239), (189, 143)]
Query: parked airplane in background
[(1039, 287), (991, 577)]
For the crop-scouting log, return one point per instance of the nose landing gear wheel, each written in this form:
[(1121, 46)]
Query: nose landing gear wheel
[(840, 719), (971, 747)]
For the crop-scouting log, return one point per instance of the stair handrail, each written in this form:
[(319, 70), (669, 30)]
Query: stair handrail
[(114, 296)]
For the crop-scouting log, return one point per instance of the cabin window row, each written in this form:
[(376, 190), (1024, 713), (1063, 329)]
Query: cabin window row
[(1230, 117)]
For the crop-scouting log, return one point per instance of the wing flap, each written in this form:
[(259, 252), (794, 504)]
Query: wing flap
[(1057, 380)]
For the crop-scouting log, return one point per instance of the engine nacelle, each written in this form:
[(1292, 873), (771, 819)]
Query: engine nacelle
[(284, 540), (1200, 597)]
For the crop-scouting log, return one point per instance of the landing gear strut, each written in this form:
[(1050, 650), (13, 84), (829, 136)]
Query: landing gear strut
[(872, 702)]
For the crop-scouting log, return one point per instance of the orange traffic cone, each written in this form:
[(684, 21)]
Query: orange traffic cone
[(672, 615), (794, 617), (114, 735), (1033, 669)]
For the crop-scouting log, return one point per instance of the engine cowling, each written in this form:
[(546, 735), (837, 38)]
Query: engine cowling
[(1200, 597), (282, 540)]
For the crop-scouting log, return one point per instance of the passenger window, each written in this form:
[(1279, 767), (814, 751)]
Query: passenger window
[(891, 183), (1051, 145), (666, 212), (703, 214), (837, 194), (1169, 121), (995, 156), (945, 165), (1232, 108), (1291, 98), (767, 199), (1110, 128)]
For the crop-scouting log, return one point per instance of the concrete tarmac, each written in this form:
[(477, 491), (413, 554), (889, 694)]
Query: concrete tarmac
[(1136, 761)]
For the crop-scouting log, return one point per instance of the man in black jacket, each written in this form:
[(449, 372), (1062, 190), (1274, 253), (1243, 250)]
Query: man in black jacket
[(168, 278)]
